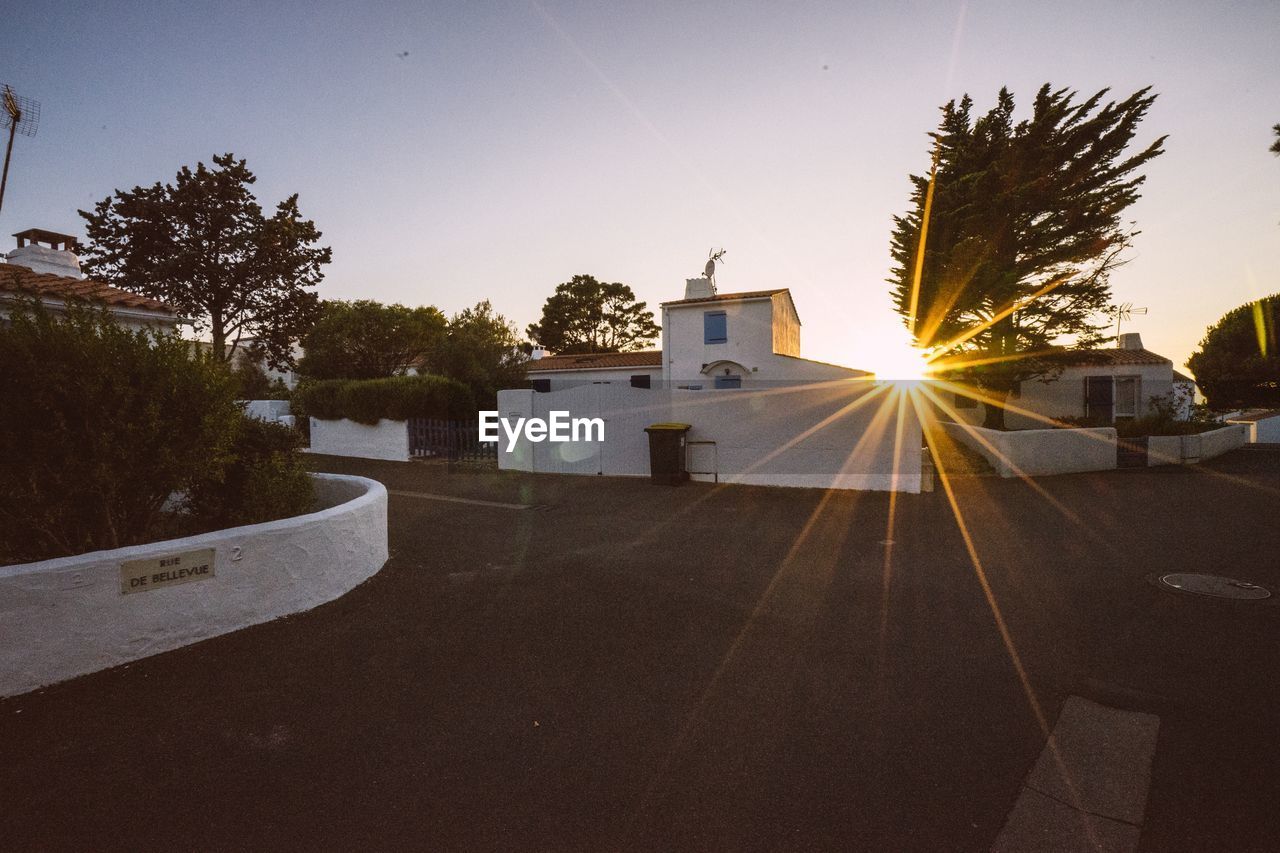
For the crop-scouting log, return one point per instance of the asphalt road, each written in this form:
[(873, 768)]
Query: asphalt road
[(633, 667)]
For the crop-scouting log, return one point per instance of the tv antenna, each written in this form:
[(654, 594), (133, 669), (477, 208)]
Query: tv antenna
[(19, 115), (1122, 312), (709, 271)]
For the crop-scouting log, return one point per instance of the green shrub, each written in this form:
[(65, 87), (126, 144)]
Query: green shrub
[(263, 481), (100, 426), (397, 398)]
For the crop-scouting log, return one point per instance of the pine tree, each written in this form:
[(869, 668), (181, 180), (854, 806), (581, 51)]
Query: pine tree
[(586, 315), (203, 245), (1024, 229)]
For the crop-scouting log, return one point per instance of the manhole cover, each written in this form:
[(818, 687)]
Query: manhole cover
[(1215, 585)]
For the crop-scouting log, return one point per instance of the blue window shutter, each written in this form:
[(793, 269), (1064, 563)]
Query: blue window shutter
[(728, 381), (715, 328)]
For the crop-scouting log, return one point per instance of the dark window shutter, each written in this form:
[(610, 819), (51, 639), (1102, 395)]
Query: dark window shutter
[(1099, 398), (715, 327)]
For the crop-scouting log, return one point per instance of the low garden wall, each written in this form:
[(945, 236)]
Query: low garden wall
[(75, 615), (1206, 445), (1039, 452), (384, 440)]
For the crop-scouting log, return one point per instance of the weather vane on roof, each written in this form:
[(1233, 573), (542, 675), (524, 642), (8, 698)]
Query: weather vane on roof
[(710, 270)]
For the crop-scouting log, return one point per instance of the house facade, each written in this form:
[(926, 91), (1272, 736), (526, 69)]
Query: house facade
[(710, 341), (44, 266), (1105, 385)]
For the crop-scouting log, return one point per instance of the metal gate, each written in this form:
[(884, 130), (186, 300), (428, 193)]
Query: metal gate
[(1131, 452), (452, 441)]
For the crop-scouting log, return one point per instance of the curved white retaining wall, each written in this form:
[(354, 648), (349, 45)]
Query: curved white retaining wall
[(67, 617)]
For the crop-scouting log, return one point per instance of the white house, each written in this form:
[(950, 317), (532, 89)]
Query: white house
[(1112, 384), (45, 267), (554, 372), (710, 341), (1263, 424)]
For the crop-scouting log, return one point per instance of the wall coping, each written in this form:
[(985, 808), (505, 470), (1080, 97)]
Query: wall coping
[(373, 491)]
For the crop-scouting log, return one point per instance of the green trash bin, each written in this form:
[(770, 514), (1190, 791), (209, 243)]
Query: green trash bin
[(666, 453)]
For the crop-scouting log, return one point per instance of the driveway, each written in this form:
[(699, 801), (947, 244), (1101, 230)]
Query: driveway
[(576, 663)]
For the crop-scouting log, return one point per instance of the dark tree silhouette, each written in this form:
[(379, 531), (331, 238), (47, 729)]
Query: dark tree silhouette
[(586, 315), (1024, 229), (203, 245)]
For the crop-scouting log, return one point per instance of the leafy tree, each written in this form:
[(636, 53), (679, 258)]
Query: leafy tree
[(203, 245), (1238, 363), (483, 351), (1275, 146), (586, 315), (368, 340), (1024, 230)]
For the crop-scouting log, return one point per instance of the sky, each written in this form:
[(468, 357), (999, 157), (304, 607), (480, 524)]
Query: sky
[(520, 143)]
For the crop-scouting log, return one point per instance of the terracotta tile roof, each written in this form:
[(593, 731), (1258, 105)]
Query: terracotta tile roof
[(721, 297), (1110, 356), (15, 278), (1179, 376), (597, 361)]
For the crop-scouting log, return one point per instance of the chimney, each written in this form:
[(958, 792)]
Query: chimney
[(1130, 340), (55, 258), (699, 288)]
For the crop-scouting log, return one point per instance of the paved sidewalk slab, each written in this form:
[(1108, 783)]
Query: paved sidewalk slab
[(1088, 789), (1040, 823)]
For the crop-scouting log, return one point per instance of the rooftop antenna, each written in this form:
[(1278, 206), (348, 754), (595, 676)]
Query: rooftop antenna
[(19, 115), (709, 271), (1124, 311)]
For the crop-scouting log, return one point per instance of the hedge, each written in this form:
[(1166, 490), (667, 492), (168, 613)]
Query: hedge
[(101, 427), (397, 398)]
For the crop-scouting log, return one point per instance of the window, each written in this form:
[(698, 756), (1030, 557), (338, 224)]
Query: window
[(715, 328), (1126, 396), (541, 385), (640, 380), (728, 381)]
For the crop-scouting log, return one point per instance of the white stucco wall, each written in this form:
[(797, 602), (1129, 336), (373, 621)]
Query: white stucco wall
[(1039, 452), (1266, 430), (67, 617), (1206, 445), (1164, 450), (1064, 396), (753, 436), (749, 325), (386, 439), (561, 379), (266, 410)]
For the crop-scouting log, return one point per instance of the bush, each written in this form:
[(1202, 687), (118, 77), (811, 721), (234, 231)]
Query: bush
[(100, 426), (264, 480), (397, 398), (252, 383), (1167, 414)]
